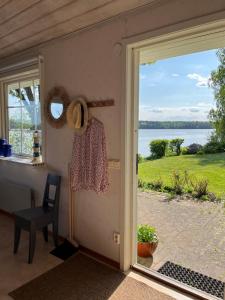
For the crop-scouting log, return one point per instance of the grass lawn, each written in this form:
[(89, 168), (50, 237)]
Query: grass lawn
[(210, 166)]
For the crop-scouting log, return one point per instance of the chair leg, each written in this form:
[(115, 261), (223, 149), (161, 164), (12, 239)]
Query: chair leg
[(31, 245), (45, 233), (55, 233), (16, 238)]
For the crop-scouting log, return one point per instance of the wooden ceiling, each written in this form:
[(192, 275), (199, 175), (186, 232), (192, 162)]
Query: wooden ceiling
[(27, 23)]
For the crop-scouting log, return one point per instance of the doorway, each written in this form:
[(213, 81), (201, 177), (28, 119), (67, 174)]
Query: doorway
[(146, 55)]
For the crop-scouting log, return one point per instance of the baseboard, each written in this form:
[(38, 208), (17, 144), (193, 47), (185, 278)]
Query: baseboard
[(6, 213)]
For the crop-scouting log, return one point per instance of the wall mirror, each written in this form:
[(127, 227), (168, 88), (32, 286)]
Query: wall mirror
[(56, 106)]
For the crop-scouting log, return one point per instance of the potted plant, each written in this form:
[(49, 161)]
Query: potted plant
[(147, 240)]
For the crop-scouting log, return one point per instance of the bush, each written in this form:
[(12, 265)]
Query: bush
[(157, 184), (201, 152), (158, 148), (146, 233), (200, 187), (214, 147), (184, 150), (175, 145), (177, 182), (194, 148)]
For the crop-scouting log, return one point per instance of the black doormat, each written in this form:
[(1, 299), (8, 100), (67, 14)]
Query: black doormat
[(197, 280), (65, 250)]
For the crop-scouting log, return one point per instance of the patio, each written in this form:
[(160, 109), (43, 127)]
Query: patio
[(191, 233)]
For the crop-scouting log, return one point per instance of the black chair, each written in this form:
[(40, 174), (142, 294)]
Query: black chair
[(33, 219)]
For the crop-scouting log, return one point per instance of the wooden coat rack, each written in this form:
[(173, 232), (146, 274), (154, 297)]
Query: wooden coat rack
[(100, 103)]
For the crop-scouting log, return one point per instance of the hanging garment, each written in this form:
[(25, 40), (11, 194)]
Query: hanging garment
[(89, 167)]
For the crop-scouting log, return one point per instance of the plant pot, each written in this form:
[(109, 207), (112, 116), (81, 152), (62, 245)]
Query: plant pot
[(146, 249)]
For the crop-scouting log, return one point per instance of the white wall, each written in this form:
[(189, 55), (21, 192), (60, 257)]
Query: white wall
[(87, 63)]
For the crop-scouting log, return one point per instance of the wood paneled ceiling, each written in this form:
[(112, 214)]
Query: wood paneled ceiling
[(28, 23)]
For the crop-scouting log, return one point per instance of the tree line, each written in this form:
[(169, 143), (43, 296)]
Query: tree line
[(174, 125)]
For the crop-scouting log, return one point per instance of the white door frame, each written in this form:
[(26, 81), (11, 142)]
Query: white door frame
[(158, 44)]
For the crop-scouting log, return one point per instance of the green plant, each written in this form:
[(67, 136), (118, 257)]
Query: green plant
[(200, 187), (184, 150), (177, 182), (200, 152), (157, 184), (194, 148), (146, 233), (175, 145), (158, 148)]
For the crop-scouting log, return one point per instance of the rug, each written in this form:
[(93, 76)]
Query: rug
[(197, 280), (82, 278)]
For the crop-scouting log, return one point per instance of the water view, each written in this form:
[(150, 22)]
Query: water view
[(190, 136)]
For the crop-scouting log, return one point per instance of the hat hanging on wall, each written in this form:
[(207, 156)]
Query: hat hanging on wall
[(77, 115)]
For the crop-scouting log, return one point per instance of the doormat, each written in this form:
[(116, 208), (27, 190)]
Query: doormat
[(197, 280), (65, 250)]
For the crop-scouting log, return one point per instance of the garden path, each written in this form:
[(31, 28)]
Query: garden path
[(191, 233)]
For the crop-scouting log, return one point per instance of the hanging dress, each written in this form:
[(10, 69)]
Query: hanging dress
[(89, 166)]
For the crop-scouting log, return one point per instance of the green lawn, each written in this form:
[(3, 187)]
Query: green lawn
[(210, 166)]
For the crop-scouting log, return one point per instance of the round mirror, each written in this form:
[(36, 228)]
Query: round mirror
[(56, 109), (56, 106)]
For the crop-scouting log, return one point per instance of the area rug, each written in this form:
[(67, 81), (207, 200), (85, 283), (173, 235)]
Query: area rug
[(83, 278)]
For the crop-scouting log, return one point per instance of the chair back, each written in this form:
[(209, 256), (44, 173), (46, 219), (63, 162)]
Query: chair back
[(52, 192)]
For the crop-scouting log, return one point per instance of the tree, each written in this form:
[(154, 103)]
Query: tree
[(158, 148), (217, 82), (175, 145), (26, 95)]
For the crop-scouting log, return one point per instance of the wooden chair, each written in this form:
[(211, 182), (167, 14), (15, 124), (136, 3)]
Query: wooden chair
[(33, 219)]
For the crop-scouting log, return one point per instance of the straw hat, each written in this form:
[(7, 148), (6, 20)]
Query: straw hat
[(77, 115)]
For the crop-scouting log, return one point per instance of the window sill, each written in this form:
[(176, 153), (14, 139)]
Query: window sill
[(20, 160)]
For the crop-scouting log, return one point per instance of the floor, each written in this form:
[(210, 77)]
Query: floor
[(191, 234), (15, 271)]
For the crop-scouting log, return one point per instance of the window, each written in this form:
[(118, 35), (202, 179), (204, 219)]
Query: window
[(23, 114)]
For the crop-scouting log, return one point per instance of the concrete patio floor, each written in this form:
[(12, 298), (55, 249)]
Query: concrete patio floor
[(191, 233)]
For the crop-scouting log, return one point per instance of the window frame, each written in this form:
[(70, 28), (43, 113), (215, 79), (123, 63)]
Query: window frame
[(4, 83)]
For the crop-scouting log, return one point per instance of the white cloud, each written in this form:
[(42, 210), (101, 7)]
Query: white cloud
[(201, 80), (175, 75)]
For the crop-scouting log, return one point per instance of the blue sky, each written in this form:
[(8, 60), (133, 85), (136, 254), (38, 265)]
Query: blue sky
[(177, 88)]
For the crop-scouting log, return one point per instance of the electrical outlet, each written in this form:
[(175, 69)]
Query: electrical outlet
[(116, 238)]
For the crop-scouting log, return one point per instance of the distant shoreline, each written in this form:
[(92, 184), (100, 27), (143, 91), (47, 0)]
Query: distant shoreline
[(174, 125)]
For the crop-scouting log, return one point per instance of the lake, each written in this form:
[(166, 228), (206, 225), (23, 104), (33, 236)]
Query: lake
[(190, 136)]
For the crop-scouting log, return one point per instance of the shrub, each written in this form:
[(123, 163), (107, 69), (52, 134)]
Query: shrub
[(184, 150), (167, 189), (140, 183), (157, 184), (175, 145), (158, 148), (200, 152), (146, 233), (144, 185), (214, 147), (194, 148), (177, 182), (200, 187)]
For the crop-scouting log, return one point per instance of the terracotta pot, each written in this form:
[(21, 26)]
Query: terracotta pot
[(146, 249)]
